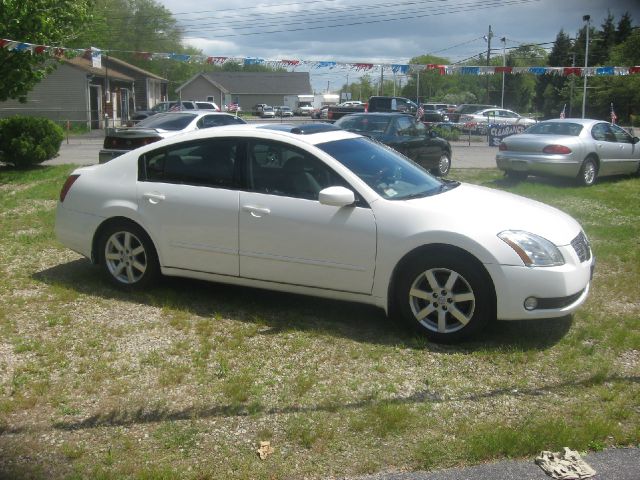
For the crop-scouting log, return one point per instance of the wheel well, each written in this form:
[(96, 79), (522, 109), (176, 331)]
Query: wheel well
[(435, 250), (95, 257)]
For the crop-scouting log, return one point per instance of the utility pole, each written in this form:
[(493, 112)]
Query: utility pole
[(488, 58), (504, 64), (585, 18), (381, 89), (573, 80)]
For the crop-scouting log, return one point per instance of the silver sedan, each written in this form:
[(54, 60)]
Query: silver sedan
[(576, 148)]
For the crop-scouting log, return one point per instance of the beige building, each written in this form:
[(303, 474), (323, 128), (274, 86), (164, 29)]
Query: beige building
[(245, 88)]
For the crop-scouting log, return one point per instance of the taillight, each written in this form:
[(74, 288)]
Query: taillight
[(557, 149), (502, 147), (67, 186)]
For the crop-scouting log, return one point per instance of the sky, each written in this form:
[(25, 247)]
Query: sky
[(380, 31)]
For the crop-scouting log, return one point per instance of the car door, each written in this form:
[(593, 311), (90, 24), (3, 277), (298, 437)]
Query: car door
[(629, 150), (403, 137), (187, 195), (614, 157), (288, 236)]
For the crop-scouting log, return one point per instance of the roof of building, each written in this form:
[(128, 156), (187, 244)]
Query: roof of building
[(275, 83), (85, 65), (135, 68)]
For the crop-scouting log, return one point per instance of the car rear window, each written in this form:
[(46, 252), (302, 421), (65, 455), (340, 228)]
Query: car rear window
[(364, 123), (555, 128), (168, 121)]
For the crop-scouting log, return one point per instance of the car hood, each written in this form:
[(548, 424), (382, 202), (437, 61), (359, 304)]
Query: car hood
[(485, 209)]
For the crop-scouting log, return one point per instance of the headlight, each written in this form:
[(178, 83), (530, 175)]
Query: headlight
[(534, 251)]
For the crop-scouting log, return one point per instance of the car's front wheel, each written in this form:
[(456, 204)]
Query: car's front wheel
[(444, 297), (444, 165), (127, 256)]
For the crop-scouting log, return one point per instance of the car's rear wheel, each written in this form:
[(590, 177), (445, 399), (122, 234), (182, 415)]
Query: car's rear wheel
[(445, 297), (588, 172), (127, 255), (444, 165)]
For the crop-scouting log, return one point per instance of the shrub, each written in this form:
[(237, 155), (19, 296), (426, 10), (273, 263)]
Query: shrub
[(26, 141)]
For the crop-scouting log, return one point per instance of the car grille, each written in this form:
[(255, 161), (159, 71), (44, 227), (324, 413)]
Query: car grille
[(581, 245)]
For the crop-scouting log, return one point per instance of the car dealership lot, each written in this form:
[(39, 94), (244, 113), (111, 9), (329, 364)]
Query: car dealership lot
[(83, 150)]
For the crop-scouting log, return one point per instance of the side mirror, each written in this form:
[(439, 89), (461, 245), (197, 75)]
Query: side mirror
[(635, 140), (336, 196)]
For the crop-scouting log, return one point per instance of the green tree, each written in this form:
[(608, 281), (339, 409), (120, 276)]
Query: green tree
[(39, 22), (551, 94)]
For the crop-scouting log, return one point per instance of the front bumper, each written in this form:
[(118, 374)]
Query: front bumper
[(536, 164), (559, 290)]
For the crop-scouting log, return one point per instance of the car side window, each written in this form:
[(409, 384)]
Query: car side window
[(602, 133), (212, 162), (280, 169), (405, 127), (209, 121), (621, 135)]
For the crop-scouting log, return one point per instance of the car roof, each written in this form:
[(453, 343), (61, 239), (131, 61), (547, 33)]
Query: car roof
[(581, 121), (305, 133)]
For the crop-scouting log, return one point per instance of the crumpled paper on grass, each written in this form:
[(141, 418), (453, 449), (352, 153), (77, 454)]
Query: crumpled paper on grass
[(567, 465), (265, 450)]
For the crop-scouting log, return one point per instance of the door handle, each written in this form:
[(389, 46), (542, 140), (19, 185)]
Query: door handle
[(154, 198), (256, 212)]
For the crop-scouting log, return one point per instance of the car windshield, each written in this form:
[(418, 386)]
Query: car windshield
[(391, 175), (168, 121), (555, 128), (364, 123)]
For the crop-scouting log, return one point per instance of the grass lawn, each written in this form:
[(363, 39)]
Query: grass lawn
[(186, 380)]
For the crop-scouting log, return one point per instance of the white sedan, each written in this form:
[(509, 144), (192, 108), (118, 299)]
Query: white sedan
[(481, 119), (315, 210)]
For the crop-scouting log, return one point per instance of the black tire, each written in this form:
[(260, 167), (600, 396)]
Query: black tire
[(127, 256), (588, 172), (445, 313), (444, 165), (516, 176)]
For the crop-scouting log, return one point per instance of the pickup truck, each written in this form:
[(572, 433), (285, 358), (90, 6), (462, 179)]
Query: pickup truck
[(375, 104)]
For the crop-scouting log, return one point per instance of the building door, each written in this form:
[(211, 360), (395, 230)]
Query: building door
[(95, 95)]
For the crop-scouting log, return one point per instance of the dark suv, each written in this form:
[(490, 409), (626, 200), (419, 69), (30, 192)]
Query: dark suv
[(391, 104), (467, 108)]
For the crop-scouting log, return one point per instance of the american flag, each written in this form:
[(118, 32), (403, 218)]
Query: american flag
[(563, 109), (614, 117), (420, 113)]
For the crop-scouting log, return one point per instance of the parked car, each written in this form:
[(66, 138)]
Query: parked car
[(257, 108), (163, 125), (467, 108), (283, 111), (202, 105), (404, 134), (268, 112), (350, 103), (232, 108), (480, 120), (162, 107), (325, 212), (575, 148), (431, 117), (303, 109), (427, 107), (321, 112)]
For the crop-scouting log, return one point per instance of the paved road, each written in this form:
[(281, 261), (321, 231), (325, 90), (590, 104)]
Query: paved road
[(610, 464), (83, 150)]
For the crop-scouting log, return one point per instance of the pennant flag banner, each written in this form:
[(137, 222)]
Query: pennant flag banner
[(94, 54)]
